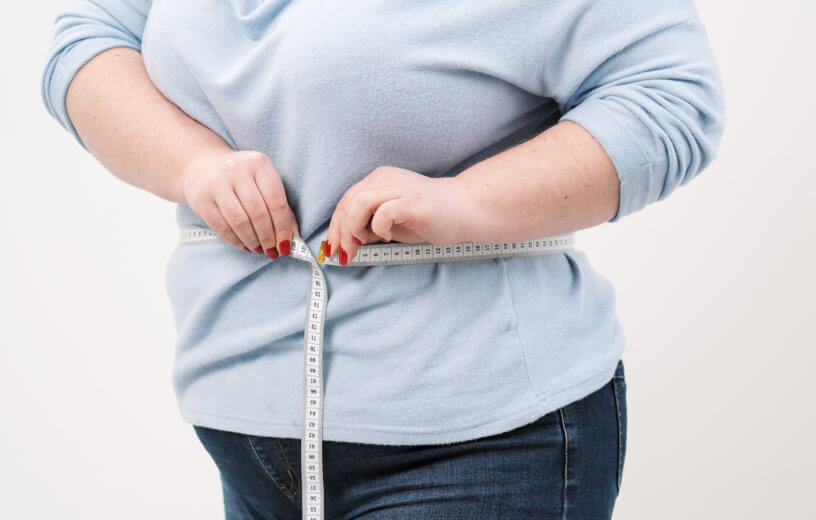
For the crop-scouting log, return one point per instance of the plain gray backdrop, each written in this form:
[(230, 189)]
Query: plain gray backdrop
[(715, 291)]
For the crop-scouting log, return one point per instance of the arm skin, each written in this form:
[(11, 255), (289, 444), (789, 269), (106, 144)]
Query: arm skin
[(148, 142), (560, 181), (131, 128)]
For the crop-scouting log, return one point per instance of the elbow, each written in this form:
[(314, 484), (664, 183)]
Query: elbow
[(688, 139), (49, 80), (56, 76), (679, 122), (658, 110)]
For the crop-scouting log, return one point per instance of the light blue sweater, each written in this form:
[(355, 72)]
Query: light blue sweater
[(329, 90)]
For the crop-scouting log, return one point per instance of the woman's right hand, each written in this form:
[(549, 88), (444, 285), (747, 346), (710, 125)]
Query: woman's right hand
[(240, 196)]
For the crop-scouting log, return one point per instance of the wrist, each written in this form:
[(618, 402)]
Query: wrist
[(467, 210), (195, 164)]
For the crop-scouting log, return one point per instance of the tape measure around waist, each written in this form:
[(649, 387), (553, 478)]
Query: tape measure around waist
[(311, 448)]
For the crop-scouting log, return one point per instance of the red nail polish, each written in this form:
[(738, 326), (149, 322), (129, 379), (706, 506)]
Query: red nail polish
[(357, 241), (343, 257), (327, 252), (247, 249), (285, 248), (259, 250), (272, 253)]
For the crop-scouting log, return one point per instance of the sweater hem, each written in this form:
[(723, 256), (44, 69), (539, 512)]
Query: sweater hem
[(367, 434)]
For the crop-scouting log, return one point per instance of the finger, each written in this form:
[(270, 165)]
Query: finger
[(362, 207), (333, 233), (341, 244), (395, 212), (368, 236), (365, 236), (360, 210), (233, 212), (270, 186), (255, 206), (211, 216)]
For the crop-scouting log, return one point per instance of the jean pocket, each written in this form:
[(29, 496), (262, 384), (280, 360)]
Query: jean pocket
[(273, 458), (244, 458), (619, 387)]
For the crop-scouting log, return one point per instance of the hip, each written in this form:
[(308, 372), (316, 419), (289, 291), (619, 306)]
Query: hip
[(566, 464)]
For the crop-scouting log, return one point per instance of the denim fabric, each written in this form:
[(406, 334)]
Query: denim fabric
[(565, 465)]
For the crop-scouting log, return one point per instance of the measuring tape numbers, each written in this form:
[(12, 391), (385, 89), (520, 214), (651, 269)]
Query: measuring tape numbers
[(311, 448)]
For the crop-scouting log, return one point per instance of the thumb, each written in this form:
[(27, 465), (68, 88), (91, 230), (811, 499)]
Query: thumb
[(394, 212)]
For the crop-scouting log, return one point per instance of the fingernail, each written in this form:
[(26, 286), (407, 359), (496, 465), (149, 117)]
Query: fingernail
[(357, 241), (272, 253), (285, 248), (259, 250), (328, 248), (343, 257), (247, 249)]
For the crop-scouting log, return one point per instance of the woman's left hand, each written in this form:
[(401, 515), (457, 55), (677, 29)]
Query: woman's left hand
[(401, 205)]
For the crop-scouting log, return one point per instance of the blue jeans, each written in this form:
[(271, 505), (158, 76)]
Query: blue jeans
[(565, 465)]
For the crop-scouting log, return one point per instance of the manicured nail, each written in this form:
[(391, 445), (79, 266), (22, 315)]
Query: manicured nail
[(259, 250), (357, 241), (247, 249), (328, 248), (285, 248), (343, 257), (272, 253)]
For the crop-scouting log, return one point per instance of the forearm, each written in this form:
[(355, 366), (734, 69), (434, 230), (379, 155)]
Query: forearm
[(131, 128), (560, 181)]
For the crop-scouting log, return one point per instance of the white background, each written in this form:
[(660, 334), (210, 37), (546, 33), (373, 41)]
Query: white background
[(715, 291)]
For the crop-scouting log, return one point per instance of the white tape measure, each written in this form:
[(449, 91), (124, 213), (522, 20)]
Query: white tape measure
[(311, 448)]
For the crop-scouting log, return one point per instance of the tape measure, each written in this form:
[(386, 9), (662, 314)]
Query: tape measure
[(311, 448)]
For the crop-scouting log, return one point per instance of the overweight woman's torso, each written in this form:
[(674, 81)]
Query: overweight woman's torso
[(329, 91)]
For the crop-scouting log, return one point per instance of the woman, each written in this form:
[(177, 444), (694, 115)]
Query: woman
[(479, 389)]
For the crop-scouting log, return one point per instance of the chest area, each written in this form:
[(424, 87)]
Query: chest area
[(390, 77)]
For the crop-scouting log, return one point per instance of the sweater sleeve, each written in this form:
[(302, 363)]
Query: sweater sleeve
[(82, 31), (640, 76)]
